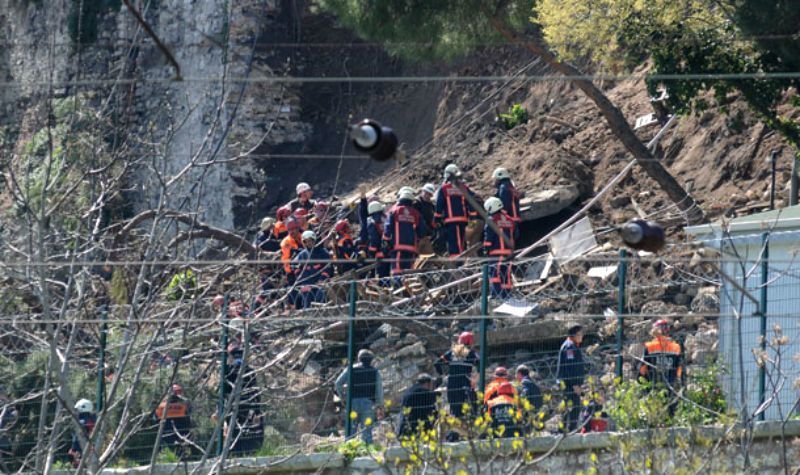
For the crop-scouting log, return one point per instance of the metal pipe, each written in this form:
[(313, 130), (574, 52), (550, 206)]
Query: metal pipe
[(101, 363), (622, 274), (773, 161), (351, 329), (762, 376), (484, 328), (223, 373)]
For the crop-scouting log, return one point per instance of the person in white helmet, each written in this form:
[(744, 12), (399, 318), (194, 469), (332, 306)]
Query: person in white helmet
[(403, 230), (507, 193), (499, 247), (370, 241), (453, 211), (86, 420), (303, 200), (311, 266), (424, 204)]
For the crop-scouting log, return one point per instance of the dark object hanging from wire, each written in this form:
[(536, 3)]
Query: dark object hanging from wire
[(643, 235), (378, 141)]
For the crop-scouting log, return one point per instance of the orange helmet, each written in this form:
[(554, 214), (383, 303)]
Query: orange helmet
[(505, 389), (466, 338)]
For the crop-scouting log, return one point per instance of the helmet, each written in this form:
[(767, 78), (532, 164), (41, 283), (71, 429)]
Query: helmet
[(406, 193), (283, 213), (501, 173), (466, 338), (506, 389), (300, 213), (177, 389), (218, 301), (366, 356), (302, 187), (84, 405), (375, 207), (501, 372), (429, 188), (309, 235), (321, 206), (342, 226), (493, 205), (267, 223), (451, 170), (662, 325), (292, 225)]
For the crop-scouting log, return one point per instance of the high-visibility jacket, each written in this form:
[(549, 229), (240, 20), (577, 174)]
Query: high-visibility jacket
[(662, 360), (491, 389), (504, 411), (509, 195), (289, 249), (173, 410), (452, 206), (404, 227), (280, 231), (311, 273), (492, 242)]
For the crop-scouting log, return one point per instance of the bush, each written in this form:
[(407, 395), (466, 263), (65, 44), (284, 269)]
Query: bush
[(516, 115), (182, 285)]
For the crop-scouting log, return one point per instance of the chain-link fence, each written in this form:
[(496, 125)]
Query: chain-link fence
[(133, 372)]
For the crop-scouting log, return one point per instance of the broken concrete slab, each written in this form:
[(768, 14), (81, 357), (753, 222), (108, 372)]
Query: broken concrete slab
[(547, 202)]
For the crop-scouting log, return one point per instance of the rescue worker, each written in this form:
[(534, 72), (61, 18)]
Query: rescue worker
[(507, 193), (176, 413), (301, 215), (528, 390), (418, 407), (460, 365), (662, 363), (500, 377), (265, 239), (367, 395), (453, 212), (290, 247), (570, 374), (281, 216), (498, 248), (344, 247), (503, 408), (86, 420), (321, 216), (303, 200), (246, 427), (311, 267), (372, 226), (403, 229), (425, 205)]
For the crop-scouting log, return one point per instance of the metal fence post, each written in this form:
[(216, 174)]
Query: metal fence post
[(223, 373), (351, 330), (762, 376), (101, 362), (484, 327), (622, 274)]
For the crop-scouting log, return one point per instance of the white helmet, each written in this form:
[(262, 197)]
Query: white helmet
[(302, 187), (493, 205), (309, 235), (451, 170), (501, 173), (375, 207), (406, 193), (267, 223), (84, 405), (429, 188)]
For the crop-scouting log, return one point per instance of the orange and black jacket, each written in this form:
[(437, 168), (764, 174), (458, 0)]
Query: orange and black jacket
[(404, 227), (346, 253), (452, 205), (289, 249), (493, 243), (662, 361), (509, 195), (491, 389)]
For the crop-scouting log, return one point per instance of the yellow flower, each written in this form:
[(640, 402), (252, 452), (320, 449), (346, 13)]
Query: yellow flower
[(593, 457), (368, 422), (353, 415), (516, 445)]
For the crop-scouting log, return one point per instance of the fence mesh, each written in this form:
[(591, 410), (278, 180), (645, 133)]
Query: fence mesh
[(172, 372)]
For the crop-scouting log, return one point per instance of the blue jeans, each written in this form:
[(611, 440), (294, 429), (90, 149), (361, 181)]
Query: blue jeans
[(364, 408)]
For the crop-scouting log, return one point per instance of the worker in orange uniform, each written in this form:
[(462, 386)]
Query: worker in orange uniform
[(662, 363), (504, 410), (281, 216), (176, 413), (290, 247), (500, 377)]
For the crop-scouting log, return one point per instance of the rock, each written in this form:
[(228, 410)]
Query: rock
[(738, 199), (522, 355), (312, 368), (379, 345), (706, 301), (412, 350), (620, 201), (701, 346), (681, 299), (410, 339)]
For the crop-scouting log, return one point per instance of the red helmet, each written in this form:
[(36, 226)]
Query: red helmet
[(466, 338), (177, 389), (283, 213), (300, 213), (342, 226), (662, 325), (292, 225), (506, 389), (218, 301), (501, 372)]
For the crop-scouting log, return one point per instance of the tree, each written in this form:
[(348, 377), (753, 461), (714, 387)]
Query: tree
[(450, 27)]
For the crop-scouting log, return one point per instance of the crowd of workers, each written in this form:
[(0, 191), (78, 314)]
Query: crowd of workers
[(315, 242)]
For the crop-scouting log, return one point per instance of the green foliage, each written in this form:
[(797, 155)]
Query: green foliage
[(119, 286), (515, 116), (433, 29), (182, 285), (356, 447), (167, 456)]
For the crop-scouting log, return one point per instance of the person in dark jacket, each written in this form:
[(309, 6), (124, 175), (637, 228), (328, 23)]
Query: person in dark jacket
[(246, 427), (499, 247), (571, 373), (371, 235), (507, 193), (403, 229), (175, 410), (453, 210), (266, 240), (344, 247), (460, 364), (530, 395), (367, 395), (86, 420), (426, 207), (418, 407), (303, 200), (310, 269)]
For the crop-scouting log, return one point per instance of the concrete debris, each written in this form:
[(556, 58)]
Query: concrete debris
[(706, 302)]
